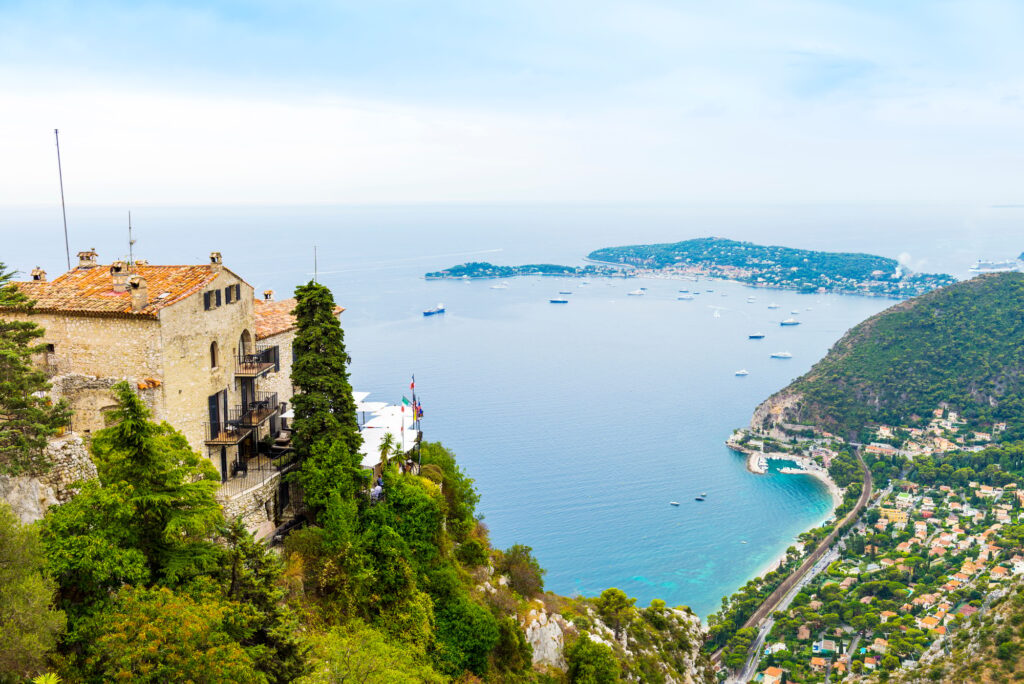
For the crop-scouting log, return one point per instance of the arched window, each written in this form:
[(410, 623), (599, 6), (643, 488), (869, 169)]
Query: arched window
[(245, 343), (213, 355)]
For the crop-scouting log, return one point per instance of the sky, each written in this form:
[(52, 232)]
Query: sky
[(393, 101)]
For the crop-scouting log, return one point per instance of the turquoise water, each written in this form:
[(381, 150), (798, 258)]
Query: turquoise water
[(579, 422)]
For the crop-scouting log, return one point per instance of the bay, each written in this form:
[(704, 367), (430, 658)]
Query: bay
[(579, 422)]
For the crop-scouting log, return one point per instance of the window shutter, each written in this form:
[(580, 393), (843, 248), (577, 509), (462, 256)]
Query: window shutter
[(217, 292), (277, 359), (227, 294), (238, 292), (206, 301)]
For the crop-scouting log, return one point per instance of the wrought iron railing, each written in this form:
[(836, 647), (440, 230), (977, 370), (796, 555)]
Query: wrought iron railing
[(260, 407)]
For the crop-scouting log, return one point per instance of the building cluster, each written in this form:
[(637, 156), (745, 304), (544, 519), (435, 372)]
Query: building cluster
[(945, 432), (205, 354), (920, 562)]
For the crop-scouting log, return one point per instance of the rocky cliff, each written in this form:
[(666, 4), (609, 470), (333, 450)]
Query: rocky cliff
[(30, 495)]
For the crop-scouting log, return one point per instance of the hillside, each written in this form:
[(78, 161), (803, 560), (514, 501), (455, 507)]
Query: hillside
[(959, 346)]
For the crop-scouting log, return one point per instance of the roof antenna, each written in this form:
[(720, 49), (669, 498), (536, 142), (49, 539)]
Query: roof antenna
[(131, 242), (63, 211)]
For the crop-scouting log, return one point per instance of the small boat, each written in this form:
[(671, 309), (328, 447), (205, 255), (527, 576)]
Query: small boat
[(638, 293), (743, 541), (703, 493), (790, 321), (755, 336), (558, 300), (781, 355), (710, 290), (751, 299), (565, 292), (500, 286), (439, 309), (698, 498), (773, 305), (685, 298), (673, 503), (742, 372), (795, 311), (684, 290)]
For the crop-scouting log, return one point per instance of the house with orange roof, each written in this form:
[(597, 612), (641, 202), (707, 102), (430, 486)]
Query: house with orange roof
[(999, 573), (771, 675), (818, 664), (195, 345), (885, 615)]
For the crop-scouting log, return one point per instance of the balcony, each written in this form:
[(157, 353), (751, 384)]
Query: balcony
[(247, 473), (256, 365), (259, 409), (229, 431)]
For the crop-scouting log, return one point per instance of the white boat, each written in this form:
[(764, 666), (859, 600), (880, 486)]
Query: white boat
[(743, 371), (751, 299), (500, 286), (673, 503), (638, 293), (983, 266), (773, 305), (559, 300), (781, 355), (795, 311), (685, 297), (790, 321)]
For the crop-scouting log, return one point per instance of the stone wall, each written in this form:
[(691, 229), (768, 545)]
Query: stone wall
[(255, 507), (30, 495)]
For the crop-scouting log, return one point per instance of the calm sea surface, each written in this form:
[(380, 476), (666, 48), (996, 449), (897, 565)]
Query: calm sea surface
[(579, 422)]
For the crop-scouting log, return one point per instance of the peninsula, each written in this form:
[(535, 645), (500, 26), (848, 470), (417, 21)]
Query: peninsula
[(719, 258)]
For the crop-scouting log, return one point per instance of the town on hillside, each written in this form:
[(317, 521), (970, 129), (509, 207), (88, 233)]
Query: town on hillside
[(940, 538)]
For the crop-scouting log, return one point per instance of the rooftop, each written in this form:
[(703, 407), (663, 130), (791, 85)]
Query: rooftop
[(275, 317), (103, 290)]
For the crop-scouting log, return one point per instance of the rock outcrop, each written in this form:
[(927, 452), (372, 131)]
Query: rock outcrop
[(30, 495)]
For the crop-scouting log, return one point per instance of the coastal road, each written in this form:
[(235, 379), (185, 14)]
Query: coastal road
[(813, 564)]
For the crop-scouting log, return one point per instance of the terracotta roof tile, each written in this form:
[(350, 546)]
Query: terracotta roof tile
[(90, 291), (275, 317)]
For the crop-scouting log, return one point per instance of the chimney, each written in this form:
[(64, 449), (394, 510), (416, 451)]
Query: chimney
[(87, 259), (38, 275), (137, 287), (119, 274), (268, 295), (216, 261)]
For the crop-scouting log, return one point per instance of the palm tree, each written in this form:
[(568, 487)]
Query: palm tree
[(387, 445)]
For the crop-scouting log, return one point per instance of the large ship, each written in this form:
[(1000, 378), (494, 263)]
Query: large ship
[(983, 266), (439, 309)]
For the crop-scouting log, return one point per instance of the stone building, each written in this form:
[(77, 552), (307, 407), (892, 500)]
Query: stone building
[(203, 353)]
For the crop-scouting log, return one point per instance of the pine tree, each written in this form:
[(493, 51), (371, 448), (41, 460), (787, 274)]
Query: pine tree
[(27, 417), (172, 487), (325, 430)]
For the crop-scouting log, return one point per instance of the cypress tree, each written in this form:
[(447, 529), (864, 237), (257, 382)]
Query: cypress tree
[(325, 430), (27, 417)]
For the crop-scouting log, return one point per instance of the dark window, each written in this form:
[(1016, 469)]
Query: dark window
[(206, 300), (238, 292), (227, 293), (50, 348), (213, 355), (217, 292)]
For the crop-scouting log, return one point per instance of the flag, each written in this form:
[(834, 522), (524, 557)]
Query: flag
[(417, 409), (412, 385), (405, 402)]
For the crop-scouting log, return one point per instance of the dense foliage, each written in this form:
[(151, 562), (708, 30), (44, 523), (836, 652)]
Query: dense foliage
[(28, 416), (142, 556), (29, 625), (959, 346)]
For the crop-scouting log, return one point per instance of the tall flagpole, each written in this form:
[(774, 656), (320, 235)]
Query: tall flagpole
[(63, 211)]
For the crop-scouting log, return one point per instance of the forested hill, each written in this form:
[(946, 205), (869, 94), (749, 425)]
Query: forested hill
[(775, 266), (962, 345)]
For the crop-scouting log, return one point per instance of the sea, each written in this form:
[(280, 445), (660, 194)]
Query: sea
[(578, 422)]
